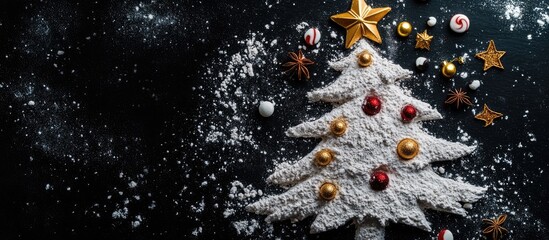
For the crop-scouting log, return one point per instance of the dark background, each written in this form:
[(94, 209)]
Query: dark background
[(106, 108)]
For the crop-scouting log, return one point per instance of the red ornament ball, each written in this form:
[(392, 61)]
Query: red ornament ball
[(379, 180), (408, 113), (371, 105)]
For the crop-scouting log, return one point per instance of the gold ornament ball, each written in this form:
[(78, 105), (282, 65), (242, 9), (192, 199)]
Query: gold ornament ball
[(338, 127), (448, 69), (328, 191), (407, 148), (404, 29), (365, 59), (324, 157)]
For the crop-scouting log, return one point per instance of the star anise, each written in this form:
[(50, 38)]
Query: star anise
[(299, 64), (458, 97), (494, 227)]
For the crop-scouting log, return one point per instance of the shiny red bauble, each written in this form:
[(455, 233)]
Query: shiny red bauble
[(371, 105), (379, 180), (408, 113)]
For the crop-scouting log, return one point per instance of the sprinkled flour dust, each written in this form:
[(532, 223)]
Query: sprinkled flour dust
[(231, 124), (518, 14), (229, 95), (301, 27)]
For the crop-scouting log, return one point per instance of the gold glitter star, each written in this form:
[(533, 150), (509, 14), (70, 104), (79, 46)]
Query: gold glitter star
[(360, 21), (488, 115), (423, 40), (491, 57)]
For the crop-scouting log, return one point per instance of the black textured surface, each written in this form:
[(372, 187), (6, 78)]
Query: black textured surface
[(121, 104)]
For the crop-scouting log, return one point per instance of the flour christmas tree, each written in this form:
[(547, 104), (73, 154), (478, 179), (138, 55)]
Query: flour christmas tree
[(373, 164)]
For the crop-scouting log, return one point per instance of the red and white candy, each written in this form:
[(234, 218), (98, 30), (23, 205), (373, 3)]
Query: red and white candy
[(312, 36), (459, 23), (445, 234)]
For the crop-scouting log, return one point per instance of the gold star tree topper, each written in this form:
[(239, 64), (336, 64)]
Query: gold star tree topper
[(491, 57), (360, 21), (423, 40), (488, 115)]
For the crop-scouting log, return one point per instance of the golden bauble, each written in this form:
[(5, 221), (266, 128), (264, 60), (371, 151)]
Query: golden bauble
[(324, 157), (328, 191), (404, 29), (365, 59), (338, 126), (448, 69), (407, 148)]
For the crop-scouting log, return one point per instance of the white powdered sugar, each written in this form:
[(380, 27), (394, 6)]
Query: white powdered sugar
[(513, 11), (246, 227), (300, 27), (229, 96), (241, 196), (369, 144)]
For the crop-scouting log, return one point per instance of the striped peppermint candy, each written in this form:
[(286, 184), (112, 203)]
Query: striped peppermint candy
[(445, 234), (459, 23), (312, 36)]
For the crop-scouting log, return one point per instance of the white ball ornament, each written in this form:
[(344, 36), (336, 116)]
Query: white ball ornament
[(431, 22), (266, 108), (459, 23), (312, 36), (445, 234)]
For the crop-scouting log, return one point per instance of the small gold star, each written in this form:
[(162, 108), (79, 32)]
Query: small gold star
[(491, 57), (488, 115), (423, 40), (360, 21)]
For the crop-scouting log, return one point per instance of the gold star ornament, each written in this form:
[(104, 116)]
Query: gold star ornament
[(491, 57), (423, 40), (360, 21), (488, 115)]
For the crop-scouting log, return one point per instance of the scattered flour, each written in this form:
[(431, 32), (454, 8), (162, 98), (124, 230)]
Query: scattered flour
[(543, 17), (241, 196), (246, 227), (513, 11), (300, 27), (229, 95), (120, 213)]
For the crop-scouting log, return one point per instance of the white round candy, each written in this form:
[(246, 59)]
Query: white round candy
[(266, 108), (432, 21), (445, 234), (459, 23), (312, 36), (474, 84)]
